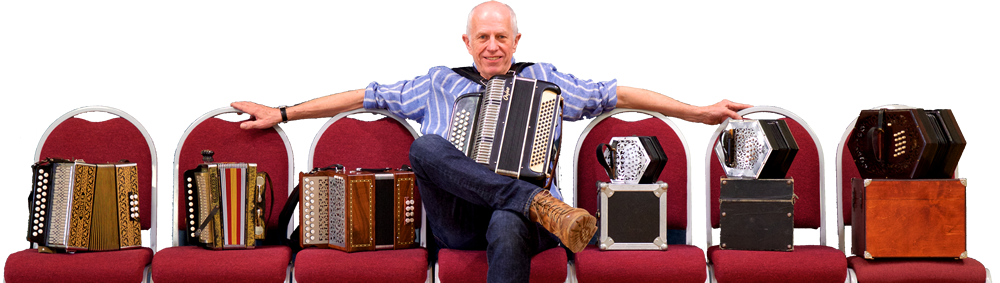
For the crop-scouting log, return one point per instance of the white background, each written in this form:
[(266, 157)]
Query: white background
[(166, 64)]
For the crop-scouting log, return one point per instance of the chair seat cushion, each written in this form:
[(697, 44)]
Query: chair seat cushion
[(918, 270), (110, 266), (455, 266), (328, 265), (196, 264), (804, 264), (679, 263)]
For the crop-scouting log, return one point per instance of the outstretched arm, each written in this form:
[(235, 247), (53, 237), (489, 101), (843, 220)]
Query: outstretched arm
[(637, 98), (327, 106)]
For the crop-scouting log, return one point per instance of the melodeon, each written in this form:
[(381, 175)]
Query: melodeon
[(77, 206), (225, 204), (360, 210), (906, 144), (510, 127)]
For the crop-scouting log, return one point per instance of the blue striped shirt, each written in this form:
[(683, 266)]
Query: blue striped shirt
[(429, 99)]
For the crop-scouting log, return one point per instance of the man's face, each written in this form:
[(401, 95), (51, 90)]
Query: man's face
[(491, 42)]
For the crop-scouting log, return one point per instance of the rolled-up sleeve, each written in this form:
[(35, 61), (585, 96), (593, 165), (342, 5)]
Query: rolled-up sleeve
[(407, 98), (582, 98)]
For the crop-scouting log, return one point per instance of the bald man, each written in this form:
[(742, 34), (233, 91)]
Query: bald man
[(468, 206)]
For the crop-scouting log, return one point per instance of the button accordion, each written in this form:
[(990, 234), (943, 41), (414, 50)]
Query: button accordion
[(360, 210), (756, 149), (77, 206), (225, 204), (906, 144), (510, 127)]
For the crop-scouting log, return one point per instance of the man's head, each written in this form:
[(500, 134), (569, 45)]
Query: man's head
[(491, 37)]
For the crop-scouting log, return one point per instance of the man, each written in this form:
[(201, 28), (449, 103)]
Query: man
[(469, 206)]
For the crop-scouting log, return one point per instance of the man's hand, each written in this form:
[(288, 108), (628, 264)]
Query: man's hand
[(262, 117), (716, 113)]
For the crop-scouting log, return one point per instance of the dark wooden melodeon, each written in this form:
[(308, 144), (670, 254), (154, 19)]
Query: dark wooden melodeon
[(77, 206), (225, 204), (360, 210), (510, 127), (906, 144)]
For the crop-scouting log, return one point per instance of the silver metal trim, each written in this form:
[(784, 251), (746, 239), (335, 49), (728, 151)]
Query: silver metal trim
[(659, 243)]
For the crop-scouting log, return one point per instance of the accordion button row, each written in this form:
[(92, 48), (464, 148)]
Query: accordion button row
[(41, 191)]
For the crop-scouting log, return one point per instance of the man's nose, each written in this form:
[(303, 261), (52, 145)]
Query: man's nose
[(492, 45)]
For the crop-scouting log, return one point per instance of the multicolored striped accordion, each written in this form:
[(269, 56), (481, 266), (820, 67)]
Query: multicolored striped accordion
[(510, 127), (358, 210), (77, 206), (225, 204)]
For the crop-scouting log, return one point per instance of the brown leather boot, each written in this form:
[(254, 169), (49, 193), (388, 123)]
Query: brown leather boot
[(573, 226)]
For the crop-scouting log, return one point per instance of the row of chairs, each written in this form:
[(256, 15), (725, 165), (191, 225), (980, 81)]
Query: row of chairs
[(377, 143)]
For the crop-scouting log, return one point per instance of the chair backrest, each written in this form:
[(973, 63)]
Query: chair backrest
[(269, 148), (354, 143), (107, 141), (806, 169), (676, 173)]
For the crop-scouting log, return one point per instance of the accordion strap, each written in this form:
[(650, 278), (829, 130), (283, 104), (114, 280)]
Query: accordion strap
[(472, 74), (601, 158)]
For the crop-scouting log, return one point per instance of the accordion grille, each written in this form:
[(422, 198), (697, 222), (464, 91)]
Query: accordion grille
[(543, 131), (749, 148), (60, 203), (338, 207), (490, 111), (315, 210)]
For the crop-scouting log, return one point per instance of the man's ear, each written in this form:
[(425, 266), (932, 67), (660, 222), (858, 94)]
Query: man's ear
[(468, 45), (513, 47)]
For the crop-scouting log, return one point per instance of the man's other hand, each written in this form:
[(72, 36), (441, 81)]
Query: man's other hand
[(716, 113), (261, 117)]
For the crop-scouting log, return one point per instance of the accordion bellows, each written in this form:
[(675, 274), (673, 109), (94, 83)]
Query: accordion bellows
[(225, 205), (906, 144), (510, 127), (358, 210), (76, 206)]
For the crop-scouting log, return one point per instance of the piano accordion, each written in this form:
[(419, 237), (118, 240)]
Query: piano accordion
[(358, 210), (77, 206), (510, 127), (225, 204), (906, 144)]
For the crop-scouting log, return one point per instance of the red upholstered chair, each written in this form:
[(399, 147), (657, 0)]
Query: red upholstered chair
[(682, 261), (807, 263), (272, 152), (470, 266), (887, 270), (354, 143), (107, 141)]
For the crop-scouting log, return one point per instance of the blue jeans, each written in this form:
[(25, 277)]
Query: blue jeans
[(470, 207)]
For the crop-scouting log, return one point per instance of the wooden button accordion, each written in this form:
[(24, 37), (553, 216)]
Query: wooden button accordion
[(359, 210), (77, 206), (225, 204)]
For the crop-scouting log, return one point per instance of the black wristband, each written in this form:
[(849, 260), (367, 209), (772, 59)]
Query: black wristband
[(284, 115)]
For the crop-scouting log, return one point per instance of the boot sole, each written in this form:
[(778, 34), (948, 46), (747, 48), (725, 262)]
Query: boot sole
[(580, 233)]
